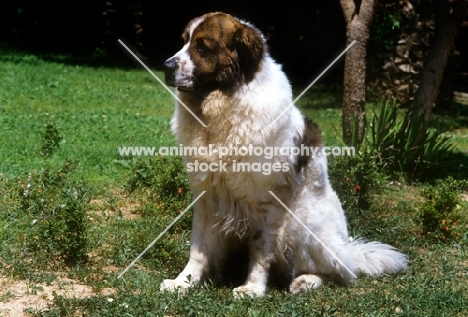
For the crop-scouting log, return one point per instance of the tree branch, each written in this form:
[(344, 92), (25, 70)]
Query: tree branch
[(349, 10), (447, 26), (366, 11)]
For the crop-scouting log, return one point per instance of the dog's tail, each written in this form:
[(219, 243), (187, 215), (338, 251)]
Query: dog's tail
[(375, 258)]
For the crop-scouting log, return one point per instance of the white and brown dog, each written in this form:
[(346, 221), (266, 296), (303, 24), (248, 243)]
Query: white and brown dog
[(226, 77)]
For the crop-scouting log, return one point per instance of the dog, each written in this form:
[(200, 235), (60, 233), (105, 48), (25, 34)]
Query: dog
[(289, 218)]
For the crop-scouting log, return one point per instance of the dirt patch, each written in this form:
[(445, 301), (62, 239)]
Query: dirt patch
[(119, 204), (16, 296), (464, 197)]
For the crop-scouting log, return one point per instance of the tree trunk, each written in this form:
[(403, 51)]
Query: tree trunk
[(447, 25), (358, 21)]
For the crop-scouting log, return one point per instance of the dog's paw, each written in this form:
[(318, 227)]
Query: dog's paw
[(251, 290), (305, 283), (174, 285)]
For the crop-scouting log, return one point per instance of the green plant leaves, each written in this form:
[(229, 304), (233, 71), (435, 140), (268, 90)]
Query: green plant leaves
[(57, 206), (437, 212), (400, 144), (51, 138)]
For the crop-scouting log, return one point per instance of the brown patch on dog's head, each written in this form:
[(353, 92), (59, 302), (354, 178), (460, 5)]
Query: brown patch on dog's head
[(225, 51)]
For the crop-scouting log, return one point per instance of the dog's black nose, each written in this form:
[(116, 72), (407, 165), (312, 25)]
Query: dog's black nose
[(170, 66), (170, 63)]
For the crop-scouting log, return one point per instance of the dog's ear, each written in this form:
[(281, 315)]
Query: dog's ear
[(250, 47)]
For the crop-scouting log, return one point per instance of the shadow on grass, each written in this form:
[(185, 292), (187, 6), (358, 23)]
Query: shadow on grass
[(91, 57), (455, 165), (320, 96), (447, 122)]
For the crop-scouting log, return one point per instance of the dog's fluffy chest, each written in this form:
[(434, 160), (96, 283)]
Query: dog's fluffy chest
[(236, 196)]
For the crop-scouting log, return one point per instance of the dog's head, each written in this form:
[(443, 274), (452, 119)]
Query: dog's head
[(219, 52)]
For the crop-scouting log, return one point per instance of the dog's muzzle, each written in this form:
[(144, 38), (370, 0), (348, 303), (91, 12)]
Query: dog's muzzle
[(170, 66)]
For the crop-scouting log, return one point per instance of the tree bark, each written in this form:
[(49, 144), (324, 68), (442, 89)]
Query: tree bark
[(447, 25), (358, 21)]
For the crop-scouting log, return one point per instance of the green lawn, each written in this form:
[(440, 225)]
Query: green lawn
[(98, 109)]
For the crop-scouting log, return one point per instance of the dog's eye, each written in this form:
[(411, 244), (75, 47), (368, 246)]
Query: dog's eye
[(202, 49)]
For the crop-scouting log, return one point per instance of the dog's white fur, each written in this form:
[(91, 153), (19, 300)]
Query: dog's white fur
[(238, 209)]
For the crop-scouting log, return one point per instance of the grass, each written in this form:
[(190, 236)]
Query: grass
[(95, 110)]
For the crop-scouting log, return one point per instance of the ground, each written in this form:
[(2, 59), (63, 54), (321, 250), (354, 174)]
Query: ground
[(18, 296)]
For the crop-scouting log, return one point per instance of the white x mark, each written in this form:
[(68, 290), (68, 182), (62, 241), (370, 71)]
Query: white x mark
[(163, 84), (160, 235), (313, 235), (312, 83)]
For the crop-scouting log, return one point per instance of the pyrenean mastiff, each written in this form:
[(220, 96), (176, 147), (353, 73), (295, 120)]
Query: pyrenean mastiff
[(280, 208)]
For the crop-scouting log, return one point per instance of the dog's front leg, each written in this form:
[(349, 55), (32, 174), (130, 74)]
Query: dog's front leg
[(201, 248), (262, 247)]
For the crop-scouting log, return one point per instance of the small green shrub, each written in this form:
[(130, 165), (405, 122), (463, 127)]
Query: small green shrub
[(165, 179), (51, 138), (161, 186), (438, 212), (355, 179), (56, 205)]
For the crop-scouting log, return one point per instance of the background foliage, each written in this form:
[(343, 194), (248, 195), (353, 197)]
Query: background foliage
[(300, 34)]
